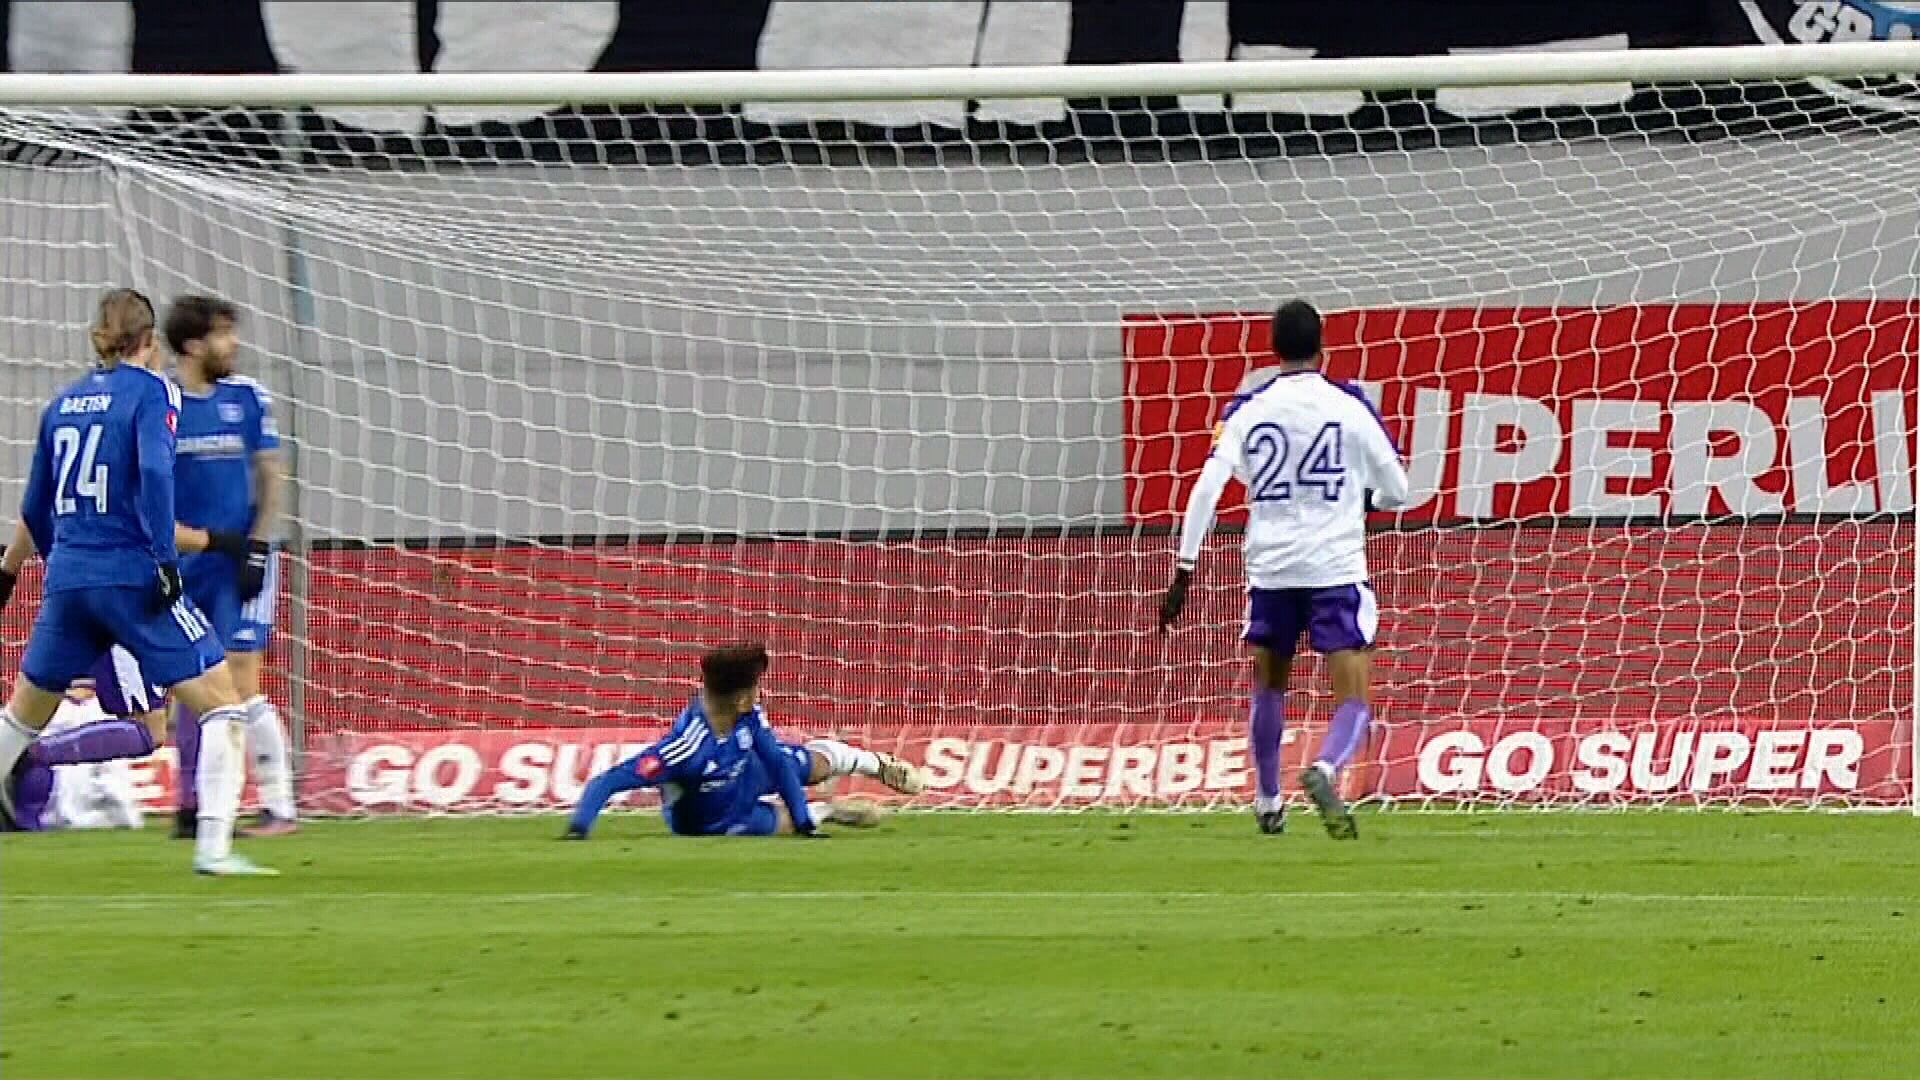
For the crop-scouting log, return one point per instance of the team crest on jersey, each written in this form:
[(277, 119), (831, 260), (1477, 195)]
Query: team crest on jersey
[(230, 413)]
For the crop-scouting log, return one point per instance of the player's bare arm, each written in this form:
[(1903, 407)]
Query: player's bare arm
[(269, 493)]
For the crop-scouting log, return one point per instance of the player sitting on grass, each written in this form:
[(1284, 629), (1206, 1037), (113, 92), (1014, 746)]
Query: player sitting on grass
[(1313, 455), (720, 767)]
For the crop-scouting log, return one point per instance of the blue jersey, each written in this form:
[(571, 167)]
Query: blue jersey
[(99, 498), (704, 778), (220, 431)]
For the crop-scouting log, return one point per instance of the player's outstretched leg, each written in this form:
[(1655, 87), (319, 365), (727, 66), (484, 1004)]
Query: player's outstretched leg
[(102, 740), (21, 722), (32, 792), (854, 813), (833, 758)]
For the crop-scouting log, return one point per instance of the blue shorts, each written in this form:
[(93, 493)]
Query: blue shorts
[(758, 815), (120, 687), (1334, 619), (76, 626), (212, 582), (758, 818)]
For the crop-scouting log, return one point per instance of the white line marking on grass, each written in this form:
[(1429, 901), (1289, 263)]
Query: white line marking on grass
[(189, 901), (1318, 894), (1131, 897)]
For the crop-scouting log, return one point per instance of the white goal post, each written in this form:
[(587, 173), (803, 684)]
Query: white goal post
[(569, 399)]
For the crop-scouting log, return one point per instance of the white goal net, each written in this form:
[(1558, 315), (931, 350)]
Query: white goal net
[(572, 399)]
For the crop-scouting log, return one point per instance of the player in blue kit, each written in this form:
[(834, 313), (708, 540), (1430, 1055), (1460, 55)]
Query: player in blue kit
[(99, 505), (228, 482), (122, 690), (720, 767)]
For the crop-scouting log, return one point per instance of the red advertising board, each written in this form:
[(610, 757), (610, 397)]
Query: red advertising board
[(155, 777), (980, 766), (1568, 760), (1646, 411)]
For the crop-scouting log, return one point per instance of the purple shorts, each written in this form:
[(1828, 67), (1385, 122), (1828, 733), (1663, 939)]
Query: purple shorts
[(1334, 618), (121, 688)]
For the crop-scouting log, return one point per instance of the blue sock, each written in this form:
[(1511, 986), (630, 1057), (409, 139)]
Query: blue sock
[(622, 777)]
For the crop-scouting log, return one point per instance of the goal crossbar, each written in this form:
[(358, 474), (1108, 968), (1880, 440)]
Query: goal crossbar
[(964, 400), (1847, 59)]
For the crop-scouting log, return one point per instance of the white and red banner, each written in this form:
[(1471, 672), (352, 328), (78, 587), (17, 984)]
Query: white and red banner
[(1007, 766), (1641, 412), (1129, 764), (155, 777)]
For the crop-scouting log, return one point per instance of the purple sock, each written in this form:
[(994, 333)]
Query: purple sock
[(32, 791), (1264, 729), (186, 741), (1346, 733), (104, 740)]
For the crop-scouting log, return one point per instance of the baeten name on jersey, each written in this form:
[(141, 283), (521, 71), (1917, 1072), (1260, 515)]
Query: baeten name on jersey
[(85, 403)]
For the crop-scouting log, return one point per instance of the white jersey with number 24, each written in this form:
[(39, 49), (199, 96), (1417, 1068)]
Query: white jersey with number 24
[(1308, 452)]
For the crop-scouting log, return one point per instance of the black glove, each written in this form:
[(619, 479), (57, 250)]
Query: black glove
[(811, 832), (1176, 599), (166, 586), (8, 579), (253, 569), (234, 545)]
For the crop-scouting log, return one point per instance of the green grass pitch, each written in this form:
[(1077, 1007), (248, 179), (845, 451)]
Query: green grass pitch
[(1537, 945)]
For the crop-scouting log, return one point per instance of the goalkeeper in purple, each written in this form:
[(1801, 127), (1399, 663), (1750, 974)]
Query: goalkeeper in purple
[(722, 772), (99, 506), (1315, 458)]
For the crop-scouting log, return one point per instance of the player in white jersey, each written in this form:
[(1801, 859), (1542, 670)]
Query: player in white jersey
[(1314, 457)]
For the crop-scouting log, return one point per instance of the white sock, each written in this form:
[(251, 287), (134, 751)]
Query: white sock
[(15, 737), (222, 767), (843, 759), (1326, 770), (1266, 804), (267, 746), (820, 812)]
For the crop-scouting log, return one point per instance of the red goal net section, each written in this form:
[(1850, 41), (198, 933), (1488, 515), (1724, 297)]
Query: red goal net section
[(907, 374)]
